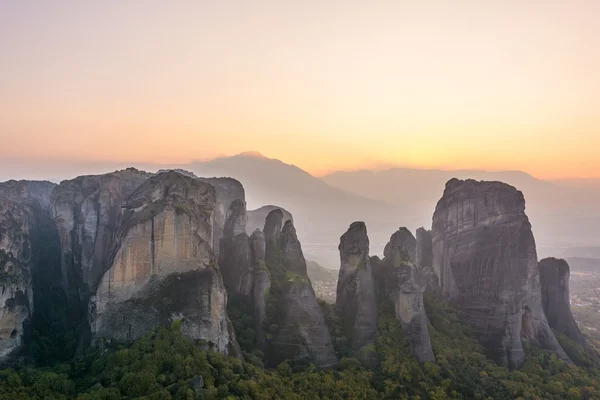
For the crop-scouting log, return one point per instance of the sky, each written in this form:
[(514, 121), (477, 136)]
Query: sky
[(325, 85)]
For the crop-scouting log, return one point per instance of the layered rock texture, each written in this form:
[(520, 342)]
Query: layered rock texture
[(235, 256), (302, 333), (554, 278), (23, 217), (486, 261), (356, 303), (137, 253), (401, 281)]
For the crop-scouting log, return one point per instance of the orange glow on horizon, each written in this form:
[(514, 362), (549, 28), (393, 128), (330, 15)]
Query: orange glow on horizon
[(432, 84)]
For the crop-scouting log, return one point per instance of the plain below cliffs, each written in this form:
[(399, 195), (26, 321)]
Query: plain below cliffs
[(296, 327), (356, 303), (400, 280), (554, 278), (486, 261), (24, 224)]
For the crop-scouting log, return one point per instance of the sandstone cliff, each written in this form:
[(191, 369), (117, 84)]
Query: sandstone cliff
[(300, 332), (554, 278), (162, 266), (23, 217), (486, 261), (87, 212), (424, 259), (401, 281), (356, 303), (262, 284)]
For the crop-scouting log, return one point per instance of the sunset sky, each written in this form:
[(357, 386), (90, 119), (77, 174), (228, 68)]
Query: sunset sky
[(325, 85)]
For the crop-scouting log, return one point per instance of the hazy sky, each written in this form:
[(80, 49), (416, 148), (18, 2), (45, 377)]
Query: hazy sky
[(322, 84)]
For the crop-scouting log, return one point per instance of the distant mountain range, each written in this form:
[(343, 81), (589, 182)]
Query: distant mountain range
[(565, 214)]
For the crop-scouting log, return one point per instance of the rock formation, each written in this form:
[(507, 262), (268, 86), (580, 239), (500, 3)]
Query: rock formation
[(162, 266), (256, 218), (227, 191), (137, 253), (554, 278), (235, 255), (301, 333), (356, 303), (424, 259), (87, 212), (23, 217), (401, 281), (486, 261), (262, 284)]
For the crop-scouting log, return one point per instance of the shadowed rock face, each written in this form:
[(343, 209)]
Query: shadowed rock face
[(235, 258), (424, 259), (554, 278), (23, 211), (256, 218), (87, 212), (401, 281), (227, 191), (402, 241), (486, 261), (303, 333), (356, 304)]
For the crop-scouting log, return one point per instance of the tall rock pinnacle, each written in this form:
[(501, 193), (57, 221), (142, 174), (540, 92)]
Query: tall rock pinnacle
[(301, 331), (554, 277), (486, 261), (356, 302), (401, 281)]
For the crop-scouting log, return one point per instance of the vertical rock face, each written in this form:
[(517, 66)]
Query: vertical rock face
[(227, 191), (162, 266), (424, 259), (356, 304), (302, 333), (262, 284), (256, 218), (424, 253), (399, 279), (87, 212), (486, 261), (402, 242), (235, 256), (23, 211), (554, 278)]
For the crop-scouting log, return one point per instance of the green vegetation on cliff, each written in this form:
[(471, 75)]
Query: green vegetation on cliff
[(166, 365)]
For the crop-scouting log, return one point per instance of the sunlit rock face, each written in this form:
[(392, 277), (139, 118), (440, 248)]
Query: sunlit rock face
[(554, 278), (163, 267), (87, 213), (356, 302), (486, 261), (303, 333), (401, 281), (137, 253), (23, 215)]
